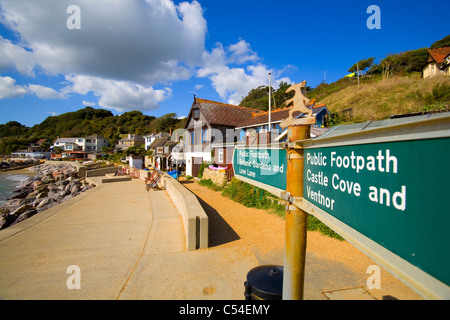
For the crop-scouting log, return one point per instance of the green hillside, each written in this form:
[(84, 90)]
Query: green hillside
[(377, 98), (392, 86), (84, 122)]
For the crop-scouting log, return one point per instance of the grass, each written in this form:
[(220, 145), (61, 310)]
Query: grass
[(254, 197), (378, 99)]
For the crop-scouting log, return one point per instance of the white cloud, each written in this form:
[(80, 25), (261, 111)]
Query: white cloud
[(89, 104), (242, 53), (122, 50), (118, 95), (132, 40), (45, 92), (15, 56), (234, 83), (9, 89)]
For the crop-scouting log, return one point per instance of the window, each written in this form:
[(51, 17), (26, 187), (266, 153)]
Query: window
[(220, 156), (196, 113), (204, 138)]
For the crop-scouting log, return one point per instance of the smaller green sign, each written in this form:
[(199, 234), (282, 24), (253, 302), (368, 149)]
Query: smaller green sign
[(262, 167)]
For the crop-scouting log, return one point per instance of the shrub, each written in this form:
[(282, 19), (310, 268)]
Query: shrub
[(202, 168)]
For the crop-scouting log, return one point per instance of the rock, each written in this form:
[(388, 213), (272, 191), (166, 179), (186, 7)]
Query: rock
[(75, 188), (52, 184), (26, 201), (20, 210), (42, 188), (11, 204), (21, 195), (36, 184), (43, 203), (24, 216), (42, 195)]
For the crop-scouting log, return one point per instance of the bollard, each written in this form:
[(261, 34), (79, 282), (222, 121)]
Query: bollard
[(264, 283)]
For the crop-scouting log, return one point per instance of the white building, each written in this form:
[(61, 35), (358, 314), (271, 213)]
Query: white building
[(90, 143), (151, 137)]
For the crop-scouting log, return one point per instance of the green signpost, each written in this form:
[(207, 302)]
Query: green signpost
[(262, 167), (383, 186), (393, 193)]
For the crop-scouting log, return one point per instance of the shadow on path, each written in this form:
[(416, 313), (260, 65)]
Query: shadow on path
[(219, 232)]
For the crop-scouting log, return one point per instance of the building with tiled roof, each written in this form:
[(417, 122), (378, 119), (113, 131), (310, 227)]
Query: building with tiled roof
[(215, 128), (210, 122), (437, 62), (217, 114)]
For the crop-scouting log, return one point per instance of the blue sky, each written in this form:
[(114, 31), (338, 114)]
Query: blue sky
[(154, 55)]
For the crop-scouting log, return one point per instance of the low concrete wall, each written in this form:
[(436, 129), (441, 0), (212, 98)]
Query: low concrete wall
[(101, 171), (194, 217)]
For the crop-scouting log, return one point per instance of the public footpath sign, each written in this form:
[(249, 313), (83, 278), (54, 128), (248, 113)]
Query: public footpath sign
[(262, 167), (389, 198)]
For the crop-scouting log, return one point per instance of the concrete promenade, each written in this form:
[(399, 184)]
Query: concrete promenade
[(127, 243), (130, 244)]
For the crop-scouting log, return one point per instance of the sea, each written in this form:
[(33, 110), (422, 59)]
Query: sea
[(10, 181)]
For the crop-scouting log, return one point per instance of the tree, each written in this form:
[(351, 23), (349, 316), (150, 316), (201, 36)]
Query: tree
[(166, 122), (445, 42), (362, 65), (390, 65), (259, 98)]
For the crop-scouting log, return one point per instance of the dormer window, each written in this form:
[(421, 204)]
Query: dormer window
[(196, 114)]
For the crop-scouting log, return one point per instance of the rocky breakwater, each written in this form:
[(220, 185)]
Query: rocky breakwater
[(52, 184)]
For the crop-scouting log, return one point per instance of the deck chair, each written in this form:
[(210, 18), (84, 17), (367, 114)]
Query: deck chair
[(152, 181)]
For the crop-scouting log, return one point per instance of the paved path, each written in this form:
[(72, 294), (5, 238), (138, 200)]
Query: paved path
[(129, 244), (105, 232)]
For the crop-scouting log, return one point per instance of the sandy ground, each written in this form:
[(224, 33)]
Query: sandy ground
[(262, 233)]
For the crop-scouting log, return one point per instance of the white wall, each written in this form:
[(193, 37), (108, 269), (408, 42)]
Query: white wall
[(189, 155)]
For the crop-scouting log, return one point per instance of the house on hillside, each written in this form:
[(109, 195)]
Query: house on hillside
[(93, 143), (88, 144), (151, 137), (39, 146), (208, 123), (133, 140), (437, 63), (162, 153), (62, 142)]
